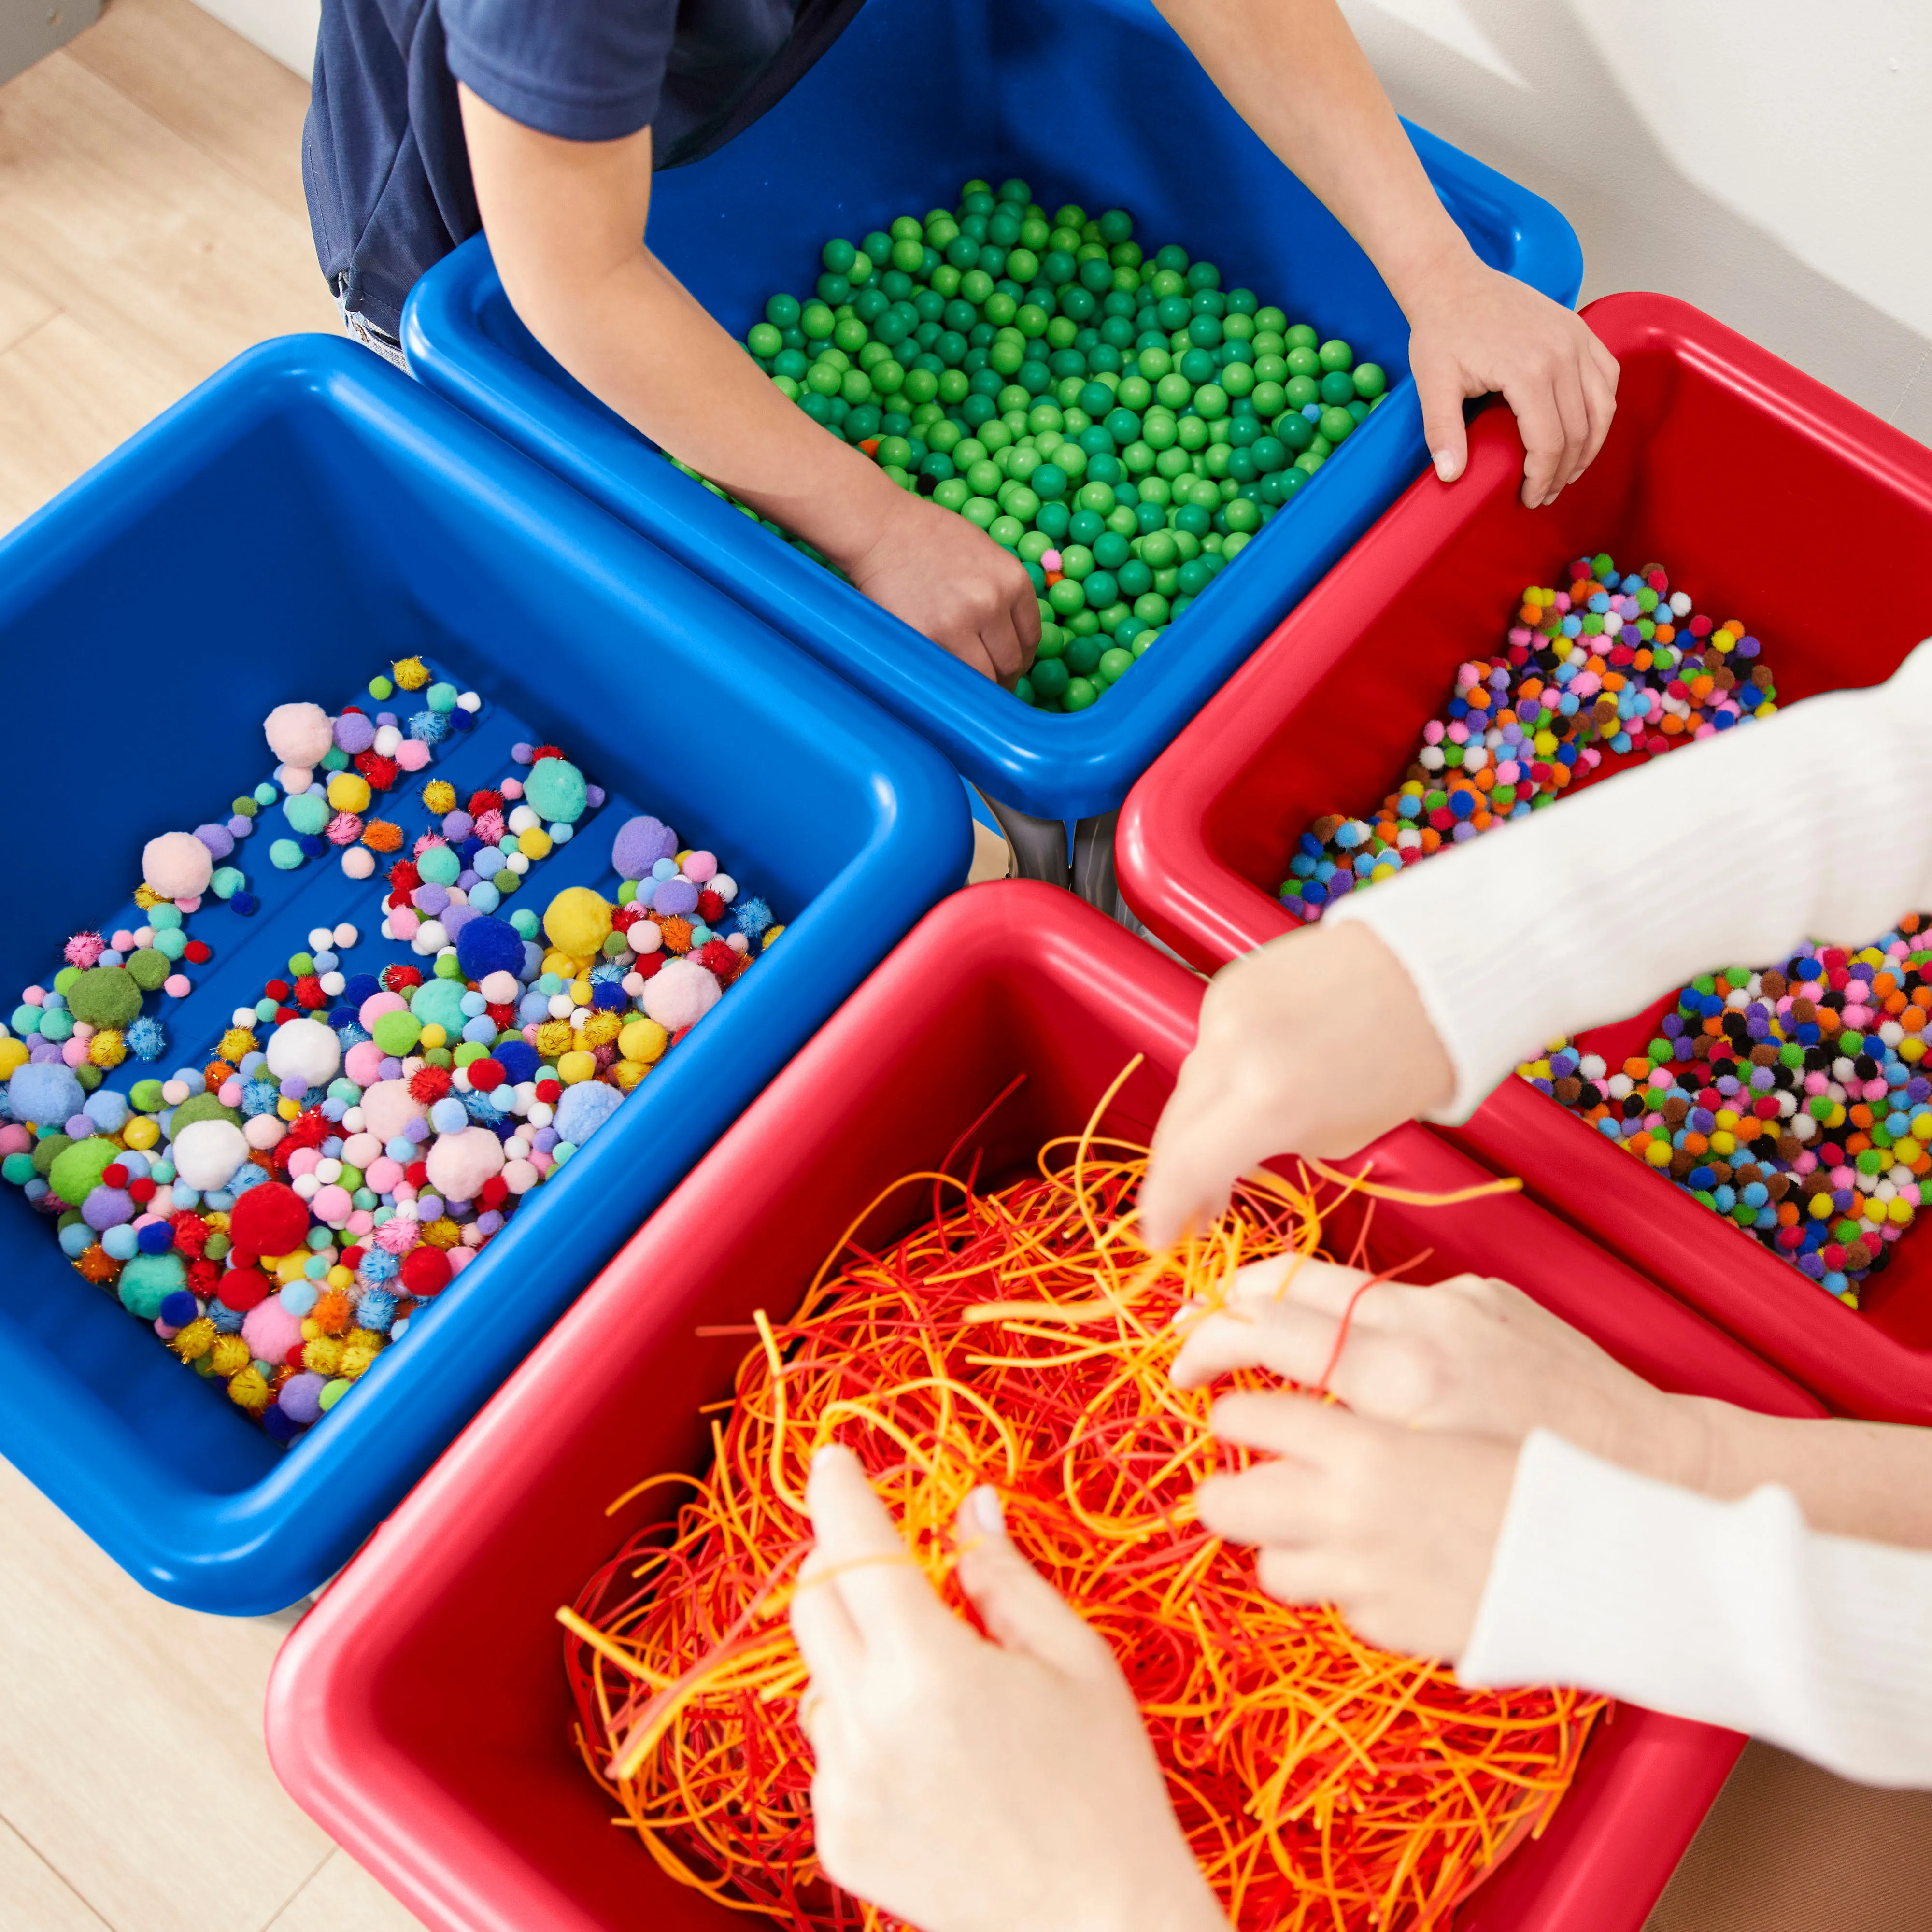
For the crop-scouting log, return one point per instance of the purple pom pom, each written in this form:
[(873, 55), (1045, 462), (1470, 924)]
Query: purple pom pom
[(640, 843)]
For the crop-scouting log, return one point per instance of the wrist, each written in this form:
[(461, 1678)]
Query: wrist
[(1430, 272)]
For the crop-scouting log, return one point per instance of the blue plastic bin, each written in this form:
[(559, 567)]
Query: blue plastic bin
[(1095, 101), (306, 515)]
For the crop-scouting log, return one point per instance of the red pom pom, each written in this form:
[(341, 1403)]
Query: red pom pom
[(417, 1173), (242, 1289), (549, 1092), (399, 978), (486, 1075), (141, 1191), (277, 990), (428, 1085), (500, 1017), (202, 1274), (196, 953), (351, 1257), (271, 1219), (310, 1130), (425, 1271), (285, 1014), (545, 751), (191, 1232), (715, 956), (485, 800), (381, 772), (309, 995), (626, 916), (404, 875), (116, 1176), (293, 1359), (494, 1192), (710, 907), (649, 965)]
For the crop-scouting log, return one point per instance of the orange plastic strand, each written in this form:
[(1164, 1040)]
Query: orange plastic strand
[(1022, 1336)]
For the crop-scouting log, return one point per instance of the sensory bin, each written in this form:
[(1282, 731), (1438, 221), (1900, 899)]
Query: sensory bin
[(1788, 1099), (325, 1161), (1110, 415)]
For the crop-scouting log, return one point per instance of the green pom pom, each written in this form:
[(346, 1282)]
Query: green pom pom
[(147, 1280), (105, 996)]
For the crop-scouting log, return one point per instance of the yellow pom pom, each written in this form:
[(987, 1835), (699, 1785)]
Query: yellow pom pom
[(442, 1233), (13, 1054), (106, 1049), (228, 1355), (412, 673), (236, 1044), (553, 1037), (291, 1266), (146, 897), (362, 1338), (575, 1067), (534, 844), (289, 1110), (348, 791), (432, 1036), (354, 1361), (626, 1074), (195, 1340), (771, 933), (643, 1041), (141, 1133), (324, 1354), (341, 1279), (578, 921), (248, 1390), (440, 795), (600, 1029), (580, 992), (561, 965)]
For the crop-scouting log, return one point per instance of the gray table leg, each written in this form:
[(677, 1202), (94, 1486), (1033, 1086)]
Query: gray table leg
[(1039, 845)]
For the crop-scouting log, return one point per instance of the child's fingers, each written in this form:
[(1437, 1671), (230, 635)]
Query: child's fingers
[(1018, 1606), (1301, 1428), (1279, 1505), (1440, 389), (862, 1558), (1295, 1343)]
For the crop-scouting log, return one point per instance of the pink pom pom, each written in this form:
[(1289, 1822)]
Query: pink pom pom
[(332, 1205), (373, 1008), (511, 788), (460, 1163), (84, 948), (229, 1094), (405, 922), (360, 1223), (14, 1139), (701, 869), (344, 828), (74, 1051), (363, 1062), (191, 904), (177, 986), (382, 1174), (412, 754), (270, 1331), (303, 1160)]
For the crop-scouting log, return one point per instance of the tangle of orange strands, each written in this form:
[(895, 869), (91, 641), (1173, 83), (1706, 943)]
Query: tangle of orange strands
[(1022, 1338)]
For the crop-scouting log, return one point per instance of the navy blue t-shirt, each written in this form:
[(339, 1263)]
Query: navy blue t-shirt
[(383, 156)]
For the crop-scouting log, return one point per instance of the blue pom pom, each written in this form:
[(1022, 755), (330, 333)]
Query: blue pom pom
[(378, 1265), (312, 844), (377, 1308), (227, 1320), (46, 1092), (486, 945), (362, 986), (518, 1060), (608, 997), (156, 1238), (483, 1112), (429, 727), (584, 1109), (342, 1017), (179, 1309), (460, 720), (247, 1175), (258, 1097), (245, 903), (278, 1425), (751, 917)]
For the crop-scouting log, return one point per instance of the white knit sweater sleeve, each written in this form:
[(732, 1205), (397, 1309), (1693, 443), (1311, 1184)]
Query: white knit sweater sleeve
[(1730, 1613), (1813, 825)]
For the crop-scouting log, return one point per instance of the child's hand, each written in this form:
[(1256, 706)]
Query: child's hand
[(947, 579), (1469, 1354), (966, 1785), (1474, 329), (1395, 1528), (1315, 1044)]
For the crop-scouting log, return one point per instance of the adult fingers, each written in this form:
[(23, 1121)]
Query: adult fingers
[(1600, 399), (1026, 621), (826, 1636), (1021, 1609), (1302, 1428), (1280, 1505), (1540, 424), (1440, 389), (861, 1556), (1318, 1575), (970, 648), (1208, 1137), (1287, 1339)]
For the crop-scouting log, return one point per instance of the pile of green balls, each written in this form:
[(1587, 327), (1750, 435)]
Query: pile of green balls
[(1118, 420)]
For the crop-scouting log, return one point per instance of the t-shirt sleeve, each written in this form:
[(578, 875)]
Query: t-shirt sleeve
[(583, 70)]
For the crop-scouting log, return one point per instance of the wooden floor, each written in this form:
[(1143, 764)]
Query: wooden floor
[(152, 225)]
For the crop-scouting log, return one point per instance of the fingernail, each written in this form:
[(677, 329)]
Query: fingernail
[(987, 1511), (1445, 465)]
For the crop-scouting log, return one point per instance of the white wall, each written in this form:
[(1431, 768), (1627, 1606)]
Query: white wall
[(285, 28), (1770, 160)]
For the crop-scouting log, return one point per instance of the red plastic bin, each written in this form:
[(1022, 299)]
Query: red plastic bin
[(420, 1714), (1764, 494)]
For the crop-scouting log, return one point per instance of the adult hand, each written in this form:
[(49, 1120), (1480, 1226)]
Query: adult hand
[(1395, 1528), (969, 1785), (1315, 1043), (1474, 329), (1469, 1354), (950, 581)]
